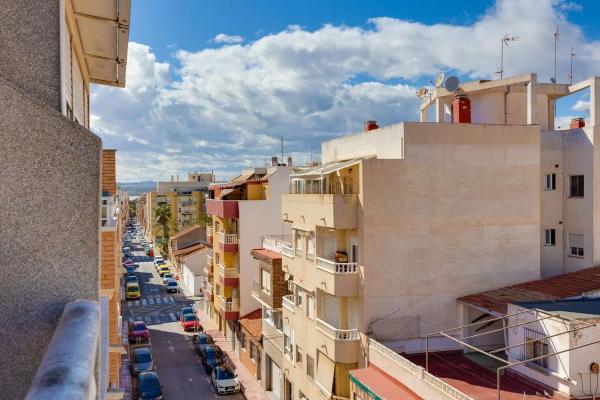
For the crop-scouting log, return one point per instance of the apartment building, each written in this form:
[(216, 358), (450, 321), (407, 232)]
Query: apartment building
[(52, 51), (140, 208), (115, 215), (243, 210)]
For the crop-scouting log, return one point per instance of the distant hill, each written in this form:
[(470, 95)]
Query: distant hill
[(137, 188)]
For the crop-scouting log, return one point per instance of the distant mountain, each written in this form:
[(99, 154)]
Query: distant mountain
[(137, 188)]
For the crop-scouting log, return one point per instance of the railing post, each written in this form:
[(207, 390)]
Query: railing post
[(427, 353)]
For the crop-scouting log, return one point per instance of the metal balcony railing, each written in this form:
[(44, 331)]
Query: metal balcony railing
[(227, 305), (288, 302), (227, 238), (348, 335), (68, 367), (334, 267)]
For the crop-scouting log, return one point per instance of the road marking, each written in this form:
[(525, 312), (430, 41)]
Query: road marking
[(144, 301), (172, 316), (171, 299), (158, 300), (150, 301), (137, 302), (171, 347), (129, 303)]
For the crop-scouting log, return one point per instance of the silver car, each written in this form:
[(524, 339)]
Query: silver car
[(141, 361)]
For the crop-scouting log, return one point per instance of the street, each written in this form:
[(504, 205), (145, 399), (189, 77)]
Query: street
[(177, 364)]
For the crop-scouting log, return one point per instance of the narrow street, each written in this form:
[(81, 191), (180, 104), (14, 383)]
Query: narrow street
[(177, 364)]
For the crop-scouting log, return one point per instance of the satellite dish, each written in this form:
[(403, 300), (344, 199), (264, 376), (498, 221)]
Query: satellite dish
[(451, 84), (422, 93), (439, 80)]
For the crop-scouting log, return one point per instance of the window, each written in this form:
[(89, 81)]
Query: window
[(310, 366), (575, 245), (218, 258), (298, 355), (310, 246), (298, 243), (550, 182), (550, 237), (299, 296), (577, 186), (252, 351), (310, 306), (242, 340), (536, 346), (265, 281)]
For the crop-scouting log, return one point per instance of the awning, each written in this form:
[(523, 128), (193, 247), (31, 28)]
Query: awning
[(325, 371), (320, 170), (380, 386)]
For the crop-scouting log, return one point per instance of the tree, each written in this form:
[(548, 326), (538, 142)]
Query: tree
[(162, 215), (132, 207), (200, 217)]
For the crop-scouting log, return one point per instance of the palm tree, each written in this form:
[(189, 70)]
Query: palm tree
[(162, 214)]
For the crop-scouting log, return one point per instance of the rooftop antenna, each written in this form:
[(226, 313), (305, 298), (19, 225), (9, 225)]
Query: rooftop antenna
[(556, 35), (451, 84), (438, 81), (571, 74), (422, 93), (504, 42)]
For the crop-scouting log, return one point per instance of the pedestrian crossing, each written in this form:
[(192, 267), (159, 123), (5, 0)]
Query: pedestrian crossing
[(160, 318), (151, 301)]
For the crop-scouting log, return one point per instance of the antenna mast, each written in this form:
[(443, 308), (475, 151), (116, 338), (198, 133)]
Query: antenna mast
[(556, 35), (504, 42), (571, 74)]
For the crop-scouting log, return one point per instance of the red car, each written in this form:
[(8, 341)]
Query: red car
[(138, 332), (190, 323), (128, 263)]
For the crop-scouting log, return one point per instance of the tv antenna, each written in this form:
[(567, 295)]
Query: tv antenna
[(439, 80), (571, 74), (451, 84), (504, 42), (556, 40), (422, 93)]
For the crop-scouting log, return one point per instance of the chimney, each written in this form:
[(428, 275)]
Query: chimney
[(289, 161), (577, 123), (370, 125), (461, 110), (274, 162)]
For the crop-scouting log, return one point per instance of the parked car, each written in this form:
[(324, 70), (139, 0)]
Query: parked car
[(132, 279), (148, 387), (172, 286), (225, 380), (163, 270), (150, 252), (167, 276), (126, 251), (132, 291), (158, 261), (202, 340), (141, 361), (138, 332), (128, 263), (190, 323), (212, 356), (187, 310)]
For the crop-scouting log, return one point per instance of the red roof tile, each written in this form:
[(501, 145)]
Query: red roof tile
[(252, 322), (186, 231), (273, 255), (383, 385), (188, 250), (556, 287)]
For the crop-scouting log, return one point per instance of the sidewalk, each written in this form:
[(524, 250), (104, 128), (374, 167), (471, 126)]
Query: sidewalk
[(250, 386)]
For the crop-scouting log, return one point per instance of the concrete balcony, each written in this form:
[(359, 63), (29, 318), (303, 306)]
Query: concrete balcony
[(338, 279), (209, 291), (339, 211), (209, 235), (262, 295), (288, 302), (228, 242), (229, 276), (229, 310), (223, 208), (287, 250), (342, 345), (208, 268)]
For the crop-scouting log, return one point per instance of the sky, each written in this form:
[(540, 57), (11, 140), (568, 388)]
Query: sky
[(215, 85)]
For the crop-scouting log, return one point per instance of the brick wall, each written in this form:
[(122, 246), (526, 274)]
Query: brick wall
[(109, 171), (108, 260)]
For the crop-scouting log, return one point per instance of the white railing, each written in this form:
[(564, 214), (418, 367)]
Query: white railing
[(347, 335), (416, 370), (275, 244), (288, 302), (287, 250), (336, 267), (300, 186), (227, 305), (209, 231), (231, 273), (227, 238)]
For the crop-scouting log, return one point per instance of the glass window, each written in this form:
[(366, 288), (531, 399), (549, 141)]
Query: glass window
[(310, 246), (265, 281), (550, 182), (310, 366), (577, 186), (298, 355), (298, 238), (576, 245), (550, 237), (310, 306), (242, 340)]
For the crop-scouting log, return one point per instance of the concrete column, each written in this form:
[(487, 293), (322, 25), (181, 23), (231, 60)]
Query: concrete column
[(439, 110), (595, 101), (424, 114), (532, 100)]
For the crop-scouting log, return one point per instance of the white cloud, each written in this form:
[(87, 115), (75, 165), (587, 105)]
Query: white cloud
[(228, 39), (224, 108), (581, 105)]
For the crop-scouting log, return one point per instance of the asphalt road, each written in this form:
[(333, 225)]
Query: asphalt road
[(177, 364)]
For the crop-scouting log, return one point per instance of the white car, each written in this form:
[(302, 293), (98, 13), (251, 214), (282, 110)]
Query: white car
[(225, 380), (158, 261)]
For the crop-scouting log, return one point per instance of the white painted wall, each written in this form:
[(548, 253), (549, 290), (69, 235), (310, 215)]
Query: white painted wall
[(192, 267)]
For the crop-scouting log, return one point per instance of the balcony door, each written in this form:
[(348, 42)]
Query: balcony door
[(328, 247)]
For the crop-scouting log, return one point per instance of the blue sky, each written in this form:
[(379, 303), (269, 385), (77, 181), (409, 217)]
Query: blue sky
[(214, 85)]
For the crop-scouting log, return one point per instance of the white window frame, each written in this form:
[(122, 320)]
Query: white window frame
[(310, 306), (550, 237), (574, 248), (550, 181)]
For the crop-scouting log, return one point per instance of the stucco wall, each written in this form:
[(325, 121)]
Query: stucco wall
[(30, 50), (49, 236), (460, 214)]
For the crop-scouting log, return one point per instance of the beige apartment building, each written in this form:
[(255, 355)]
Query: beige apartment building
[(400, 221)]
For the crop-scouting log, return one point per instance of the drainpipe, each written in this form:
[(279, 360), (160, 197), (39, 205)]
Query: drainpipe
[(506, 104)]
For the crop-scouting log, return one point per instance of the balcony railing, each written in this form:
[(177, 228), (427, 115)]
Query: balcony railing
[(288, 302), (300, 186), (68, 368), (275, 243), (209, 260), (227, 238), (287, 250), (228, 272), (337, 334), (336, 267), (227, 305), (209, 231)]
